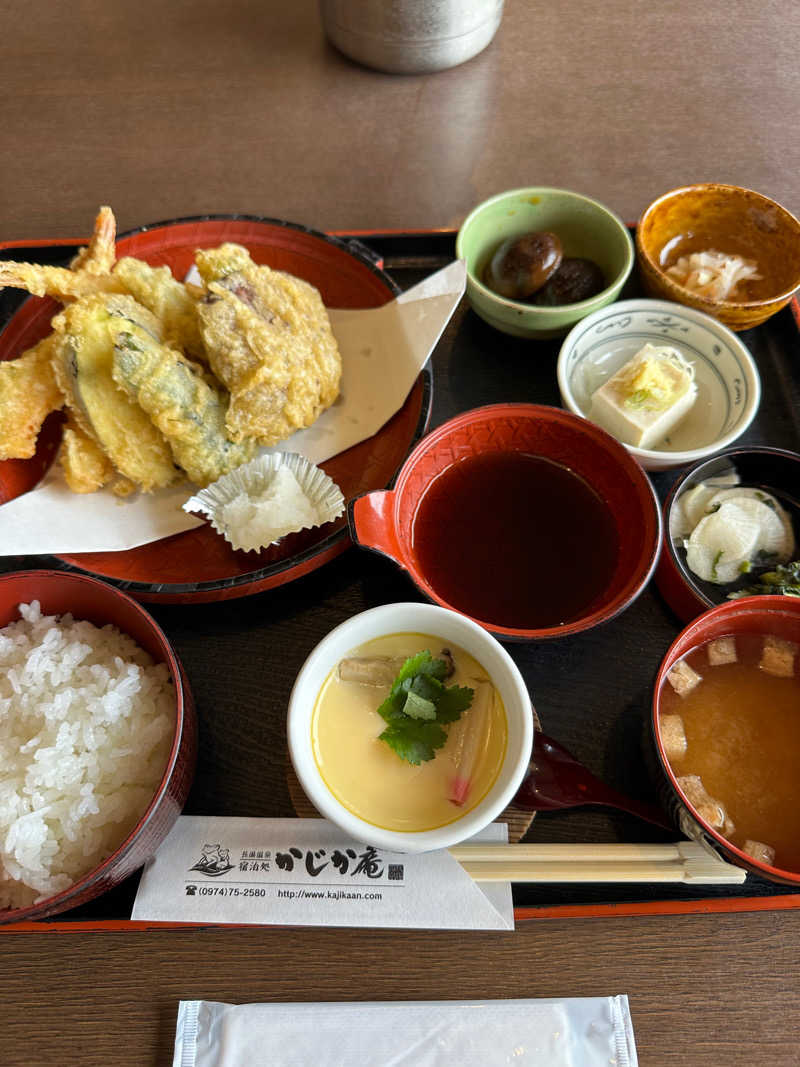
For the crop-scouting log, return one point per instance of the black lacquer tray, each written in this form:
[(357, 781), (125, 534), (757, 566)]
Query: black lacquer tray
[(591, 691)]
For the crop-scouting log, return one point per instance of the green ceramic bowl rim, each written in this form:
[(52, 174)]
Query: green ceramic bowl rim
[(705, 303), (535, 309)]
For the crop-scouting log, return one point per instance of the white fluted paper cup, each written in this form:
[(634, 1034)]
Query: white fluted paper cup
[(262, 501)]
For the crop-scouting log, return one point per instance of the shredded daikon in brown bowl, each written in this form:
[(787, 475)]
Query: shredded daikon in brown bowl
[(725, 250)]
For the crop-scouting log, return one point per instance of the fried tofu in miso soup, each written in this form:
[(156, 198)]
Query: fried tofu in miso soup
[(730, 728)]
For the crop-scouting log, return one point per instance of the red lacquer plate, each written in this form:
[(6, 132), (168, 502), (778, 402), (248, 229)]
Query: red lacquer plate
[(199, 565)]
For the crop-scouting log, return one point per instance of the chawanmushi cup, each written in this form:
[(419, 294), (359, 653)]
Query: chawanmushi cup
[(451, 628), (383, 521), (775, 615)]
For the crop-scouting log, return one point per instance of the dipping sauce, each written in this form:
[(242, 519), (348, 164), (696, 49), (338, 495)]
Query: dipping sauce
[(370, 779), (515, 540), (738, 702)]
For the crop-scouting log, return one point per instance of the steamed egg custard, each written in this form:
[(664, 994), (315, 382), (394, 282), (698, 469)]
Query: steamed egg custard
[(367, 775)]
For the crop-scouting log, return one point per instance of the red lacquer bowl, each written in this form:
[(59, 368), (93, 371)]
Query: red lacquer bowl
[(99, 603), (776, 615), (383, 521), (199, 565)]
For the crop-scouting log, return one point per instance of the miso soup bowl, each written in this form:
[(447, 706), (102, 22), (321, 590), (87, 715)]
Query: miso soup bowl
[(450, 627), (777, 615), (384, 521)]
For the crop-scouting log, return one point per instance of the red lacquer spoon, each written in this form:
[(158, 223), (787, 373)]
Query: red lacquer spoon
[(556, 779)]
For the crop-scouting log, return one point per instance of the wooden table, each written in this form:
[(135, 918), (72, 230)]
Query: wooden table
[(184, 108), (703, 990), (242, 106)]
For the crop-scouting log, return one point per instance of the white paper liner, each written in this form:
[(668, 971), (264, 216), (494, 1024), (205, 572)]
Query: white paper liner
[(253, 479)]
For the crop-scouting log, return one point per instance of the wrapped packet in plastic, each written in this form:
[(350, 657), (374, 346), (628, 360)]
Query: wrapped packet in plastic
[(575, 1032)]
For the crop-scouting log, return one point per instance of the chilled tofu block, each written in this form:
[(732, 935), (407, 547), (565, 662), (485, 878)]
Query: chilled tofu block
[(673, 736), (646, 398), (683, 678), (709, 809), (760, 852), (723, 650), (778, 657)]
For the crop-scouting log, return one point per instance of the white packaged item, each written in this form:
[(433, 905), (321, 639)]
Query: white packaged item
[(576, 1032)]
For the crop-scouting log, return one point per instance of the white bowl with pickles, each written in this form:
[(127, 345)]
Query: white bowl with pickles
[(669, 382), (410, 727)]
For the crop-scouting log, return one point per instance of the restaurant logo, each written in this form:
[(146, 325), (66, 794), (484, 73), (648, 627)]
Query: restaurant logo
[(214, 861)]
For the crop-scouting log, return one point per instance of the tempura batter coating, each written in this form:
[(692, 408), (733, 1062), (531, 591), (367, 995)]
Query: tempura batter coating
[(87, 330), (86, 466), (59, 282), (187, 409), (269, 340), (28, 393), (157, 290), (217, 263), (89, 271), (98, 257)]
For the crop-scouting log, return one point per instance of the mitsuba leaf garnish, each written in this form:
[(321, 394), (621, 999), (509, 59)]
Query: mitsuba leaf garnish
[(419, 706)]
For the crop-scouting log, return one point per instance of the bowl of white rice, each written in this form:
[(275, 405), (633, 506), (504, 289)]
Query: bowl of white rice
[(98, 740)]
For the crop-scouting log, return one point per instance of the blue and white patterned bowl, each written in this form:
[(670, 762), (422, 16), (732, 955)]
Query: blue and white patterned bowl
[(728, 385)]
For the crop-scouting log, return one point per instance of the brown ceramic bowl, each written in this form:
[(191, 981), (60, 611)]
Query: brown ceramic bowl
[(88, 598), (723, 218), (777, 615)]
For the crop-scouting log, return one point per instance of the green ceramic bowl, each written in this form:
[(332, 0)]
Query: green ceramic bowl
[(586, 229)]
